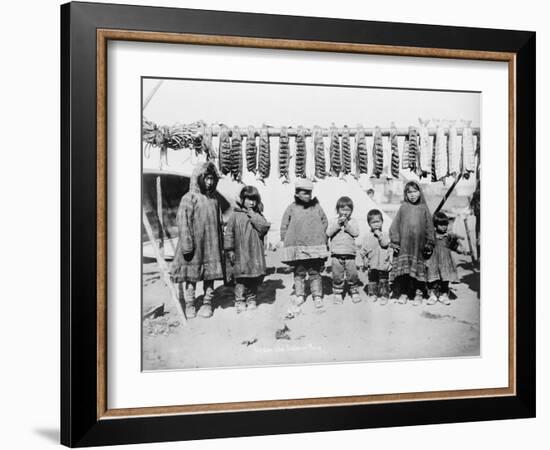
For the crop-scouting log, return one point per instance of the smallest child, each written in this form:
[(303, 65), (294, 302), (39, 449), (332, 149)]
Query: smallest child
[(441, 268), (376, 254), (342, 232)]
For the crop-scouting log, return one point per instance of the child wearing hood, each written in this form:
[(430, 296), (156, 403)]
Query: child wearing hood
[(244, 244), (412, 237), (199, 253), (303, 233)]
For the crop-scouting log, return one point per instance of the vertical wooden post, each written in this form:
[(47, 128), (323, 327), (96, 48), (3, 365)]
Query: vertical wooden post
[(164, 269), (160, 216), (469, 240)]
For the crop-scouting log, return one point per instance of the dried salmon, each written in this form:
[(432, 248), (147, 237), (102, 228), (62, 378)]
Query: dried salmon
[(284, 154)]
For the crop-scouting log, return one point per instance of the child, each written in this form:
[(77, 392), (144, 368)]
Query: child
[(412, 237), (441, 267), (342, 233), (303, 233), (244, 243), (376, 253), (198, 255)]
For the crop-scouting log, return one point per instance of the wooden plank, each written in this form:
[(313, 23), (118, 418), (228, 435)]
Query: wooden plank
[(164, 270)]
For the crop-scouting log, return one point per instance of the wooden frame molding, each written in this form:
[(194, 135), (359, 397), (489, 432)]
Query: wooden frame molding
[(103, 36)]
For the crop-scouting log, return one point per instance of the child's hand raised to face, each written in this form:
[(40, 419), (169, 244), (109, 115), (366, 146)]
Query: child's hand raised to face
[(344, 213), (375, 224), (250, 203)]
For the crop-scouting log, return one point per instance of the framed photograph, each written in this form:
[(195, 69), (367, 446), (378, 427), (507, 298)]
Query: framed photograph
[(277, 224)]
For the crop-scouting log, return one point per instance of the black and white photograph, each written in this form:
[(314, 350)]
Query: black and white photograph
[(293, 224)]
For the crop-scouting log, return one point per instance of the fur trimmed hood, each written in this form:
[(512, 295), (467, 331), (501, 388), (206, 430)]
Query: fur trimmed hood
[(196, 184)]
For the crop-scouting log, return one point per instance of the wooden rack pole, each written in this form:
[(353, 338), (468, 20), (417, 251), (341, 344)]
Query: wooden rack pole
[(164, 270), (274, 131), (448, 193), (151, 94)]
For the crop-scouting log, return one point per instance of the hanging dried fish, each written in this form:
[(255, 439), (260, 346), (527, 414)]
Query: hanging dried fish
[(334, 152), (476, 163), (236, 154), (181, 136), (377, 153), (413, 151), (346, 151), (453, 150), (225, 151), (405, 154), (251, 150), (208, 146), (468, 152), (176, 137), (284, 155), (394, 142), (152, 134), (361, 152), (264, 163), (433, 172), (386, 163), (440, 153), (319, 153), (425, 149), (301, 153)]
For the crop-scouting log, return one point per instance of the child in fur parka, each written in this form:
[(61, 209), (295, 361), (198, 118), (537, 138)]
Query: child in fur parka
[(199, 253), (303, 232)]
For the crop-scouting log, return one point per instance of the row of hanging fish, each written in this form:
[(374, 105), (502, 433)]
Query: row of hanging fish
[(196, 136), (444, 155), (433, 157)]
